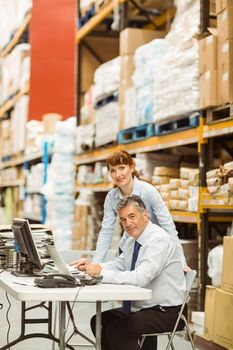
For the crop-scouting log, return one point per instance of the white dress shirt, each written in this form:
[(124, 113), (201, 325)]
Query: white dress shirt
[(157, 210), (158, 267)]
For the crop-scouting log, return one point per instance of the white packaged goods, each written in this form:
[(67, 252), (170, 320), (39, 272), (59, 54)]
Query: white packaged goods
[(14, 71), (183, 193), (12, 13), (107, 124), (214, 181), (130, 116), (159, 180), (213, 173), (184, 183), (147, 62), (193, 204), (165, 187), (230, 184), (19, 117), (59, 189), (106, 79), (85, 136), (176, 87), (214, 261), (174, 183)]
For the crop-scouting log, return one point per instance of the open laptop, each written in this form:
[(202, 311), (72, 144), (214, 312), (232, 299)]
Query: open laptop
[(65, 269), (60, 264)]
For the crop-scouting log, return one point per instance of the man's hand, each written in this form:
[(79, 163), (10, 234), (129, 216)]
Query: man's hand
[(93, 269), (80, 264)]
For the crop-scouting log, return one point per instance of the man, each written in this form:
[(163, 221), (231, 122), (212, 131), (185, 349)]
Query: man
[(158, 267)]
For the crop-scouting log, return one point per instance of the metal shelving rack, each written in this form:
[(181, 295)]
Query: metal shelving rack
[(199, 136)]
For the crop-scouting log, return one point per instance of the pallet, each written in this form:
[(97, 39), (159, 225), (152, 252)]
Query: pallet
[(88, 15), (99, 4), (222, 113), (178, 125), (105, 100), (135, 134)]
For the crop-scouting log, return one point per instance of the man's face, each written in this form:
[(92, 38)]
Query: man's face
[(133, 220)]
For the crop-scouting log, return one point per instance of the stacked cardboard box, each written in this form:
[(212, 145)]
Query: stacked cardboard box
[(224, 9), (208, 71), (219, 303), (220, 184)]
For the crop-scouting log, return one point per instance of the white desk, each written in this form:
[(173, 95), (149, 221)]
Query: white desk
[(97, 293)]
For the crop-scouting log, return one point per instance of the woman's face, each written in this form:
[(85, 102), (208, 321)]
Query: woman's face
[(121, 174)]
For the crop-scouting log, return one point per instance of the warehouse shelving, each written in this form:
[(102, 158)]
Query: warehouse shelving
[(155, 143), (10, 103), (17, 35)]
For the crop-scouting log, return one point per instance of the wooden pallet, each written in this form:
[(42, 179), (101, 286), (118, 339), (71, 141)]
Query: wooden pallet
[(99, 4), (178, 125), (222, 113), (136, 134)]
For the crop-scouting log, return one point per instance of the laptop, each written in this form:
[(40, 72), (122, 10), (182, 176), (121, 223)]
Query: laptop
[(65, 269), (60, 264)]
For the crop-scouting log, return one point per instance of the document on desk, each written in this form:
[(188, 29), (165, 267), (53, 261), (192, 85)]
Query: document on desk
[(24, 283)]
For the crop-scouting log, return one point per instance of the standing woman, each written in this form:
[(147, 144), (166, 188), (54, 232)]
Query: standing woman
[(127, 182)]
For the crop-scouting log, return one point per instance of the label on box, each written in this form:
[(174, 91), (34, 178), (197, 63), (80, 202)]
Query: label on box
[(225, 47), (225, 76), (207, 75), (209, 39), (224, 16)]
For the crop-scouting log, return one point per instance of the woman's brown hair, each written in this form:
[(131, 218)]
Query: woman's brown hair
[(121, 157)]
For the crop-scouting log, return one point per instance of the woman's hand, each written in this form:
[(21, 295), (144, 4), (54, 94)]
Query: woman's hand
[(186, 268), (80, 264)]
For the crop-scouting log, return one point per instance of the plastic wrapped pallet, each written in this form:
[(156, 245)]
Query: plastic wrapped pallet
[(106, 79), (85, 136), (107, 124), (147, 60), (176, 89), (12, 13), (14, 71), (19, 117)]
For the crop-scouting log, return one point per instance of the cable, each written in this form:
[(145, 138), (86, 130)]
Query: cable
[(76, 296), (8, 267), (7, 317)]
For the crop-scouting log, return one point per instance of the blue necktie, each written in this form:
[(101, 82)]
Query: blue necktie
[(127, 303)]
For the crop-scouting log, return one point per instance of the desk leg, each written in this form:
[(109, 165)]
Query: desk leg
[(98, 325), (62, 325)]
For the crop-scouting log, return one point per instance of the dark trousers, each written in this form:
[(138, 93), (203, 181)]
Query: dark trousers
[(120, 332)]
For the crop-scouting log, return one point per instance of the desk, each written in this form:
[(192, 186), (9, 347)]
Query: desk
[(97, 294)]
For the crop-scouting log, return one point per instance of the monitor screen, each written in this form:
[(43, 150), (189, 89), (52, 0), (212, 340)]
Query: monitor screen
[(25, 245)]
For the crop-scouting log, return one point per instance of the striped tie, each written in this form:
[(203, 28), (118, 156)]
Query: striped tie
[(127, 303)]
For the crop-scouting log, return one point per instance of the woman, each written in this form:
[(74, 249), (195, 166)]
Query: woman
[(127, 182)]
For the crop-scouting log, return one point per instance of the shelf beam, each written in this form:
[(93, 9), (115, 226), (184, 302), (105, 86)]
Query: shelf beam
[(218, 129), (154, 143), (12, 101), (16, 36)]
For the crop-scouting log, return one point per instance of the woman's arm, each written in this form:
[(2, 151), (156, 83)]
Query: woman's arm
[(106, 233)]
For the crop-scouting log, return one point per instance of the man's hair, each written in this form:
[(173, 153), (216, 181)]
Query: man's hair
[(135, 200)]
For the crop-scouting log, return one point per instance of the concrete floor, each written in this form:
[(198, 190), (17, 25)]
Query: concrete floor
[(82, 312)]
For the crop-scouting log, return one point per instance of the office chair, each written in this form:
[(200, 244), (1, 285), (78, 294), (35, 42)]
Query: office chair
[(190, 276)]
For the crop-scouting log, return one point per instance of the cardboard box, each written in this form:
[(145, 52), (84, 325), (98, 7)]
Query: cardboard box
[(127, 66), (208, 89), (223, 319), (222, 5), (207, 54), (227, 267), (210, 293), (225, 87), (225, 24), (132, 38), (125, 84)]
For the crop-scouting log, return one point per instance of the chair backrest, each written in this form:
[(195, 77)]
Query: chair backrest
[(190, 277)]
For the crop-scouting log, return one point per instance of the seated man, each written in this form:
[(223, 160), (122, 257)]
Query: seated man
[(150, 259)]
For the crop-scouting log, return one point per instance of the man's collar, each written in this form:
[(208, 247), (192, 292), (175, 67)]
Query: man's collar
[(142, 239)]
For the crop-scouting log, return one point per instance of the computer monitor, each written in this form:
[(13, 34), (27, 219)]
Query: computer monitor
[(26, 247)]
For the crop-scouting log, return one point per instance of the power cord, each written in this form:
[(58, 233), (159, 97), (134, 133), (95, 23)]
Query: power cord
[(7, 318)]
